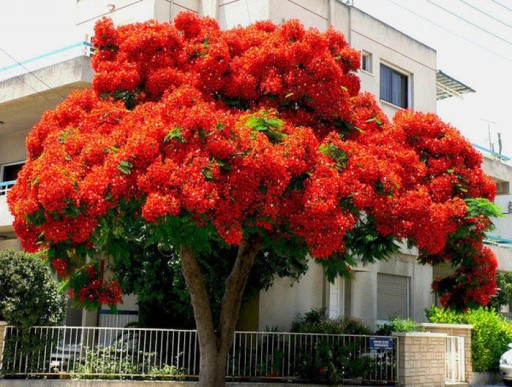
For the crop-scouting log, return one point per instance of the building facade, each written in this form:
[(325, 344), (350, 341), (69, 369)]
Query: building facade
[(399, 70)]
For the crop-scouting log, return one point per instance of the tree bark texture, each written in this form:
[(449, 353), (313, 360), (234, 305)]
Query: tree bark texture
[(214, 345)]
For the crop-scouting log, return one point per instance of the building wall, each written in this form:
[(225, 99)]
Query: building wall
[(242, 12), (88, 12), (279, 306), (362, 290), (7, 244), (12, 147), (312, 13)]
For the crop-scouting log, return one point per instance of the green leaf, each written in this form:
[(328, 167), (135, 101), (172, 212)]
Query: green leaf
[(125, 167), (483, 207), (224, 165), (72, 211), (175, 133), (373, 119), (208, 174), (334, 153), (270, 127)]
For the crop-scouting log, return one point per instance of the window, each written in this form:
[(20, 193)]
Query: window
[(366, 62), (394, 86), (8, 173), (393, 296)]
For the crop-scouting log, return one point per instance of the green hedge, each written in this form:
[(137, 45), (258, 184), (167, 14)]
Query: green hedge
[(317, 321), (489, 338), (29, 295)]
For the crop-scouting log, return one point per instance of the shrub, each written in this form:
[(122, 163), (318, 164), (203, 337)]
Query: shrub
[(335, 363), (118, 362), (316, 321), (29, 295), (396, 324), (489, 338), (327, 361)]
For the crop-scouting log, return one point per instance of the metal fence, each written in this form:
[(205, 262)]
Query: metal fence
[(162, 353)]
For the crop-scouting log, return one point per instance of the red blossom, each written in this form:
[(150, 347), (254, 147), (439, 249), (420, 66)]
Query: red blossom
[(257, 129)]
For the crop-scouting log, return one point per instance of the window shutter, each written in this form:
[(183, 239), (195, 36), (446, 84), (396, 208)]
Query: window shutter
[(392, 296)]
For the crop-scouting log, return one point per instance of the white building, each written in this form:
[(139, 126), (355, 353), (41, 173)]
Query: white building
[(399, 70)]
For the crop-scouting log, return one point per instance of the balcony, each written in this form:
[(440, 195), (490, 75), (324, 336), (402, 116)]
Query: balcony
[(46, 60), (30, 87)]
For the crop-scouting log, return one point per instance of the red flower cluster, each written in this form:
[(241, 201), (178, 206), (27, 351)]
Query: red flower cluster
[(258, 129), (88, 288)]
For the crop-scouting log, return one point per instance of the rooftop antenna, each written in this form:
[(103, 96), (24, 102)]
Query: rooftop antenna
[(491, 144)]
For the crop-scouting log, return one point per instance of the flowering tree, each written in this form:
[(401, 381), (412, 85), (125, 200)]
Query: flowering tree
[(255, 137)]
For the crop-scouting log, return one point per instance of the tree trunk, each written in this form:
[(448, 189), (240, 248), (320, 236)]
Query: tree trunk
[(214, 345)]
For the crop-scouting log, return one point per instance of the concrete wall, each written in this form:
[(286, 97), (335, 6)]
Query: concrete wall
[(88, 12), (312, 13), (279, 306), (13, 244), (421, 360), (12, 147), (72, 72), (233, 13)]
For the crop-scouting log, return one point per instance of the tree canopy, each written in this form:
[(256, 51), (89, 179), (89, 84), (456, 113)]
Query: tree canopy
[(257, 138), (193, 135)]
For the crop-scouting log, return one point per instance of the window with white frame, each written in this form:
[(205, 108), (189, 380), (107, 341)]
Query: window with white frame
[(366, 62), (394, 86), (9, 172), (393, 296)]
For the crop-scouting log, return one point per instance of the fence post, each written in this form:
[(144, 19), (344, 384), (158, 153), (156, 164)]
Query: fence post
[(421, 359), (3, 324)]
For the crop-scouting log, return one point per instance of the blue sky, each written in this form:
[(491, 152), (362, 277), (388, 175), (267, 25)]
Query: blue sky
[(473, 39)]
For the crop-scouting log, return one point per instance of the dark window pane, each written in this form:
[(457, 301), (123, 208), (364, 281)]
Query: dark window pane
[(393, 86), (10, 172)]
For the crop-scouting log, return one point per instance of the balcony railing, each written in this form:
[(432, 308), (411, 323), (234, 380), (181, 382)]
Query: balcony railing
[(139, 353), (50, 58), (5, 186)]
